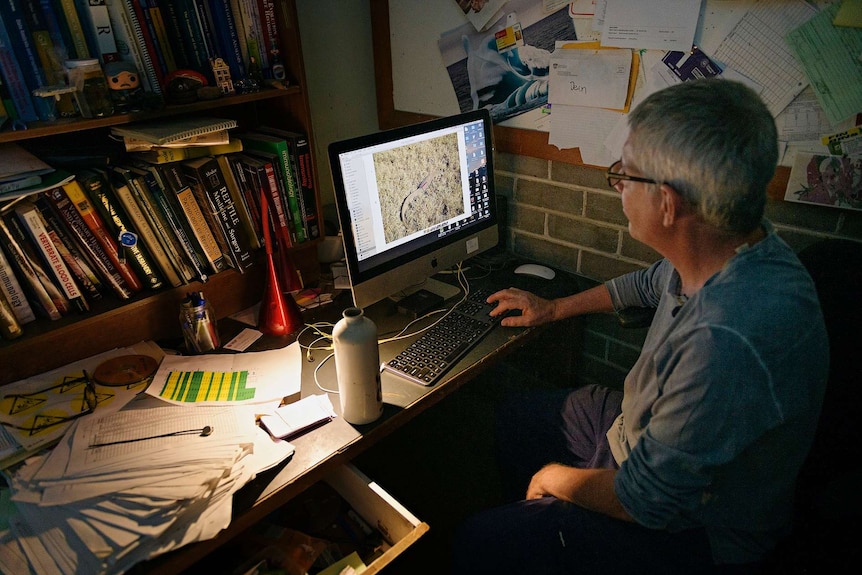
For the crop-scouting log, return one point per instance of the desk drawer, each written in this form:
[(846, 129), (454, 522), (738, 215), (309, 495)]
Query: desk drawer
[(316, 522), (399, 527)]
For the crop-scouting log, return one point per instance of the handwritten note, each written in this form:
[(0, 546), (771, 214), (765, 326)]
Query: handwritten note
[(591, 78)]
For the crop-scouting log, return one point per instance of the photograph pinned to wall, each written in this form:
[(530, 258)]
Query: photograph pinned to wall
[(482, 13), (834, 181), (505, 69)]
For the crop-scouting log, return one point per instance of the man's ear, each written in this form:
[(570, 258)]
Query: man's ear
[(670, 205)]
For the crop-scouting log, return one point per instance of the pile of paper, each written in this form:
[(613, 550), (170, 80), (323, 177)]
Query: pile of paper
[(127, 486)]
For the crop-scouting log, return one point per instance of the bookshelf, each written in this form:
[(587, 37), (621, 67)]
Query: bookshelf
[(152, 315)]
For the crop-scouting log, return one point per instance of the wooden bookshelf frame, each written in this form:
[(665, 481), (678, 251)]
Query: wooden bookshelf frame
[(66, 125), (153, 315), (516, 141)]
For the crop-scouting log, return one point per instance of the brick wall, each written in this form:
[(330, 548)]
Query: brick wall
[(565, 215)]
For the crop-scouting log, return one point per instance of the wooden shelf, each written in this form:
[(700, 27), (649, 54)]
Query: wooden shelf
[(65, 126), (115, 323)]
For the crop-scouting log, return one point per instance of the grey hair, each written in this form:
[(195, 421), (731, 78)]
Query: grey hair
[(714, 141)]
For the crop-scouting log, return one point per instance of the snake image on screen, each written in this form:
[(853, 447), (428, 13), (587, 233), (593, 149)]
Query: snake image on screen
[(419, 185)]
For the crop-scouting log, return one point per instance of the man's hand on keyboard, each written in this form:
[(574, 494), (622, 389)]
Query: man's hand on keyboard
[(534, 310)]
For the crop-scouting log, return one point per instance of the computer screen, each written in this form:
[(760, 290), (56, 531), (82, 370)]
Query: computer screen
[(414, 201)]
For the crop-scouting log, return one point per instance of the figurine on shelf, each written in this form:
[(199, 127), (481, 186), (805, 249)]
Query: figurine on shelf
[(124, 84), (181, 86), (221, 72)]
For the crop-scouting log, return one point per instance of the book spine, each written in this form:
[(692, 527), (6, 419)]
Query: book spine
[(254, 33), (99, 23), (76, 30), (197, 175), (57, 28), (278, 146), (21, 70), (164, 155), (101, 193), (136, 221), (146, 20), (175, 222), (228, 39), (80, 194), (236, 12), (14, 293), (143, 187), (206, 26), (194, 214), (13, 78), (9, 326), (174, 33), (7, 106), (266, 9), (19, 184), (149, 41), (33, 223), (161, 34), (44, 295), (229, 213), (251, 196), (90, 243), (48, 56), (184, 13), (76, 261), (267, 179), (232, 177), (305, 177), (129, 44)]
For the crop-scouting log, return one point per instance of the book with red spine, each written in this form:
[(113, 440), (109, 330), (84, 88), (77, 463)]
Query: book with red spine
[(100, 230), (33, 223), (88, 242)]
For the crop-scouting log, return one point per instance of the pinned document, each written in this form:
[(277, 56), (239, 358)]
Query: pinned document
[(591, 78)]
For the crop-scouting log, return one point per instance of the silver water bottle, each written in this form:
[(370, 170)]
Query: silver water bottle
[(357, 367)]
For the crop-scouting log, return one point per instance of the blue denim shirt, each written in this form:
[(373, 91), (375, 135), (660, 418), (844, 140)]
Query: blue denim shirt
[(721, 406)]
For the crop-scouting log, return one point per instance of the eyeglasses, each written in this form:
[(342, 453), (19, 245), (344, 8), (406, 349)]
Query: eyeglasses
[(614, 177), (21, 402)]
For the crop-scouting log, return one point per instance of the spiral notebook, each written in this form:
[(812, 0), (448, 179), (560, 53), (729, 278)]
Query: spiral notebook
[(167, 131)]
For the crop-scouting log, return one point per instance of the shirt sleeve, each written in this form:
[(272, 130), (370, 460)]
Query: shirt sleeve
[(642, 288)]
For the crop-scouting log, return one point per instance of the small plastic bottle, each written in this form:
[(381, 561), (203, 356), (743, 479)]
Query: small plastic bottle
[(198, 323), (357, 367), (91, 87)]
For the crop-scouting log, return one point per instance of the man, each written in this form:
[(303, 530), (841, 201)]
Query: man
[(692, 468)]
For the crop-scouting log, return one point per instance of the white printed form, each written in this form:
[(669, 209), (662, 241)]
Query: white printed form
[(756, 49), (659, 25)]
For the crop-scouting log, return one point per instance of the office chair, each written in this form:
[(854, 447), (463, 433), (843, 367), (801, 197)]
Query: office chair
[(828, 495)]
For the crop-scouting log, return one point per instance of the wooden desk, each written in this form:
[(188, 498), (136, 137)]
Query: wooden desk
[(322, 450)]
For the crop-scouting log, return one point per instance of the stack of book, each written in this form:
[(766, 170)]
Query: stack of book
[(157, 36), (149, 221)]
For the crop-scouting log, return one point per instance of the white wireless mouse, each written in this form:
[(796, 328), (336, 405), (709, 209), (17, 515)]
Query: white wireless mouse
[(536, 270)]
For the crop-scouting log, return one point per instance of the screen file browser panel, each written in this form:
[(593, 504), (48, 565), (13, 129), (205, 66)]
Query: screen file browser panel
[(427, 185)]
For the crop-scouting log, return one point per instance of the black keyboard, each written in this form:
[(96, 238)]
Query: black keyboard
[(426, 360)]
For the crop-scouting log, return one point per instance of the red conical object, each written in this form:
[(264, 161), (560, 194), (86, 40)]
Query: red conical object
[(279, 314)]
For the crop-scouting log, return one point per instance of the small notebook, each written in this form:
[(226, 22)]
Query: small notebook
[(167, 131), (292, 419)]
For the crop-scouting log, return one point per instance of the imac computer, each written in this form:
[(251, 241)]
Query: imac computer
[(414, 201)]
